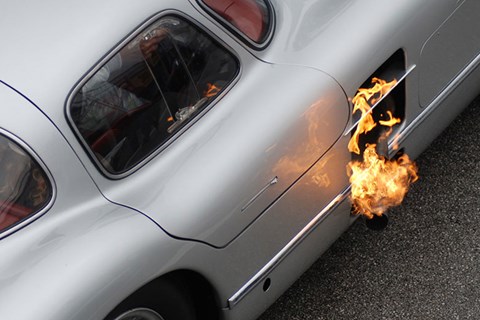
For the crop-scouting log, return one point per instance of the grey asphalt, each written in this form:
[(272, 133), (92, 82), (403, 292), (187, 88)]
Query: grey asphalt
[(425, 265)]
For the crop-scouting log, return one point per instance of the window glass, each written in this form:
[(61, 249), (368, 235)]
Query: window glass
[(24, 186), (148, 91), (251, 17)]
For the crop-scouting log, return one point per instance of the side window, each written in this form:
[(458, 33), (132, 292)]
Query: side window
[(148, 91), (24, 186), (251, 18)]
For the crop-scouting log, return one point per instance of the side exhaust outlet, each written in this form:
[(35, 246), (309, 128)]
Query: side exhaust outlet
[(377, 223)]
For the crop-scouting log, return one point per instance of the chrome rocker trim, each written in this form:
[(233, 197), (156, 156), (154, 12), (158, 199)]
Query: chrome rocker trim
[(289, 247), (400, 138)]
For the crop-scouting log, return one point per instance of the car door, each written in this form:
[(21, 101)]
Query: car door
[(221, 159), (450, 49)]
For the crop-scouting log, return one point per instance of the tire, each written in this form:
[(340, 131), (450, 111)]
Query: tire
[(140, 314), (162, 300)]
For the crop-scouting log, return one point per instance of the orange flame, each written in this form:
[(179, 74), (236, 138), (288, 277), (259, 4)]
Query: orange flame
[(377, 183), (211, 91), (360, 103), (390, 122)]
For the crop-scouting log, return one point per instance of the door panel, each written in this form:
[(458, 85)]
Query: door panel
[(255, 142), (450, 49)]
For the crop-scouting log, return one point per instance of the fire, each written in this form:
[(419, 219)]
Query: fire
[(360, 103), (211, 91), (377, 182), (391, 122)]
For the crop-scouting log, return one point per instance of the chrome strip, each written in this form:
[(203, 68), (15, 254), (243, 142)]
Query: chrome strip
[(409, 70), (34, 216), (400, 138), (289, 247), (280, 256), (97, 66)]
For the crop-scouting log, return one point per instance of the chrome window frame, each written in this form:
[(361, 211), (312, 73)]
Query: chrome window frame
[(53, 194), (231, 29), (115, 50)]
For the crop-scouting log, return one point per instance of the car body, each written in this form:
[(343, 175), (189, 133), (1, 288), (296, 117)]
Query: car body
[(234, 203)]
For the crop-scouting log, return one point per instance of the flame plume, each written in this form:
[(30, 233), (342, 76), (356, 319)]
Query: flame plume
[(377, 182), (360, 103)]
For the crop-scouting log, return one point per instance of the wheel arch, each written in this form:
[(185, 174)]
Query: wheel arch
[(192, 286)]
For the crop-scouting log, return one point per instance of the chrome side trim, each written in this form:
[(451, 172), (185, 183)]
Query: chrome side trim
[(34, 216), (97, 66), (287, 249), (400, 79), (400, 138)]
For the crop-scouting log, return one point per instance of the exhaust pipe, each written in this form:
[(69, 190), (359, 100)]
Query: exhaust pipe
[(377, 223)]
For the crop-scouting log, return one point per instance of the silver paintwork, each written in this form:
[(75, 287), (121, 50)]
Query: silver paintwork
[(271, 183), (271, 143), (417, 122), (102, 239), (291, 245), (449, 50)]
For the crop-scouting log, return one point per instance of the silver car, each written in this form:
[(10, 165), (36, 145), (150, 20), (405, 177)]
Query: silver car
[(186, 159)]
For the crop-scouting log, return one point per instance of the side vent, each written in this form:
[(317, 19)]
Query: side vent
[(392, 101)]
